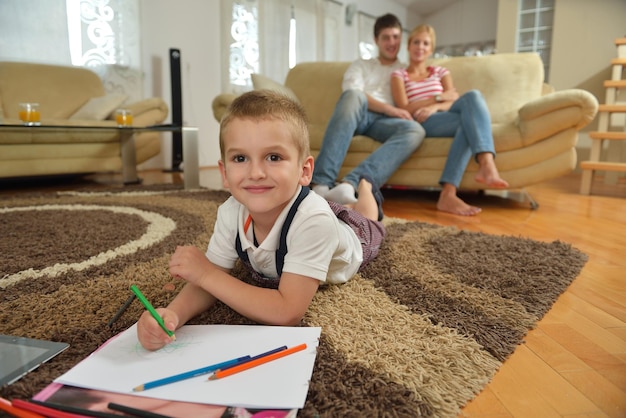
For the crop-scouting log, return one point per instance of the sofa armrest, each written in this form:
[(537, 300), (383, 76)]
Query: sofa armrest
[(146, 112), (221, 103), (556, 112)]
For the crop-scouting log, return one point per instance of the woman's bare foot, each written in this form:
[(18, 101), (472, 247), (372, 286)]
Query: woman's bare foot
[(451, 203), (488, 173)]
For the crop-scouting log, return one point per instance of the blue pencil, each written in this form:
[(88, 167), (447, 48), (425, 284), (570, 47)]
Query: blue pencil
[(190, 374)]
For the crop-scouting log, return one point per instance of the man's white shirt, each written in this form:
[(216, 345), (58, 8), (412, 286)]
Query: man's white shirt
[(371, 77)]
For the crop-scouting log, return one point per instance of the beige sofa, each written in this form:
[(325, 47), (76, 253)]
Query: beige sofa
[(62, 92), (535, 129)]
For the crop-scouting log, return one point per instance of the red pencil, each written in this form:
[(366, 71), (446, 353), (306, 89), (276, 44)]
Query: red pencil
[(8, 407), (45, 411), (250, 364)]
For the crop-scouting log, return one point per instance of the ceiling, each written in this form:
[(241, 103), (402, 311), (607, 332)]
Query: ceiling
[(425, 7)]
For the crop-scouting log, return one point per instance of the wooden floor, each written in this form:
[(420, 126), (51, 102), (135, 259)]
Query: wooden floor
[(574, 363)]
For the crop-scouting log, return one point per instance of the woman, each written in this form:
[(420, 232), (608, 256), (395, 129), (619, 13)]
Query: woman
[(428, 93)]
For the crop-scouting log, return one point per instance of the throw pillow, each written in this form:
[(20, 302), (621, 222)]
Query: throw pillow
[(260, 82), (99, 108)]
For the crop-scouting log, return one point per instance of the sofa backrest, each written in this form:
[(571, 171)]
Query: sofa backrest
[(318, 87), (59, 90), (507, 81)]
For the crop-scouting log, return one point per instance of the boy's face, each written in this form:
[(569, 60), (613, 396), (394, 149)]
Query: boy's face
[(261, 165)]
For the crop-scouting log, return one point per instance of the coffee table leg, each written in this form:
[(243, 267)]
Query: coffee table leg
[(190, 158), (129, 159)]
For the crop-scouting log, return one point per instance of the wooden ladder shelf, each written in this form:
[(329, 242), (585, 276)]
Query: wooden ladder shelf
[(613, 86)]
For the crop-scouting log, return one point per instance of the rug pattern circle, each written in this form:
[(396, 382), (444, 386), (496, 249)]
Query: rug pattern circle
[(419, 332)]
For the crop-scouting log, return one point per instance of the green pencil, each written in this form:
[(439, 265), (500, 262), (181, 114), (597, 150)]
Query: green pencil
[(151, 309)]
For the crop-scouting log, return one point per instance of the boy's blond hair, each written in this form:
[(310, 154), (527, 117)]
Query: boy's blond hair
[(260, 105)]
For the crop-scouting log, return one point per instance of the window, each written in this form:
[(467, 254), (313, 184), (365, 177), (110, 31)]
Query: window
[(244, 45), (105, 32), (333, 21), (535, 29), (102, 35), (367, 46), (271, 36)]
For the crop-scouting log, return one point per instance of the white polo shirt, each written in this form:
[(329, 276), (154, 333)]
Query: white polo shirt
[(319, 245)]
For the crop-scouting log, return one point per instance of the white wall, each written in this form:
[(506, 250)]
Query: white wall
[(581, 55), (582, 46), (465, 21), (193, 26), (582, 51)]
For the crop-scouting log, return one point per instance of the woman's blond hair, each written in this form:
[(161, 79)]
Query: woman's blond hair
[(423, 28)]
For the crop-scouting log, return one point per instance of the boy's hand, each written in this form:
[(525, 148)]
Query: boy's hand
[(149, 332), (190, 264)]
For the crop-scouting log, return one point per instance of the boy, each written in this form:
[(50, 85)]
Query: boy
[(267, 166)]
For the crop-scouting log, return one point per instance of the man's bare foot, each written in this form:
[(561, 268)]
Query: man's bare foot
[(451, 203), (488, 173)]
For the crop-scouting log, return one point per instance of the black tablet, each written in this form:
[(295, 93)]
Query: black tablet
[(20, 355)]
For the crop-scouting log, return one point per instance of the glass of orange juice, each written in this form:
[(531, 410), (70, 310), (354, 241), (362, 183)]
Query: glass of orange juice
[(29, 114), (124, 117)]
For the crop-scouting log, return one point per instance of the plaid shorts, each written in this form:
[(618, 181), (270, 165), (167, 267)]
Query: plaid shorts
[(370, 233)]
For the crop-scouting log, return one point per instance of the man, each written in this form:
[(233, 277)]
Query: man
[(366, 108)]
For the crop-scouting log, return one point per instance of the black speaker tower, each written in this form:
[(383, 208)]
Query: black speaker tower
[(177, 109)]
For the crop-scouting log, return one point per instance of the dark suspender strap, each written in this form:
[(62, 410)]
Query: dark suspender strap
[(240, 252), (282, 246)]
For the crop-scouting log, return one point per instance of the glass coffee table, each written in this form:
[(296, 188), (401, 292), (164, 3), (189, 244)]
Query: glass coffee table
[(52, 134)]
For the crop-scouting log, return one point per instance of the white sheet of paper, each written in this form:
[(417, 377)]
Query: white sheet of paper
[(122, 364)]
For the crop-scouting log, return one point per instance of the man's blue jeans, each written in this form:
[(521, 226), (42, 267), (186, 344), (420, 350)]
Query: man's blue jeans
[(469, 122), (399, 138)]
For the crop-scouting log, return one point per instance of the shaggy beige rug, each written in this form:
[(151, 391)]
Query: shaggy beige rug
[(420, 332)]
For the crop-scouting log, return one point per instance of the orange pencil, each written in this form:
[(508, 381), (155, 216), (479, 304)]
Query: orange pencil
[(250, 364)]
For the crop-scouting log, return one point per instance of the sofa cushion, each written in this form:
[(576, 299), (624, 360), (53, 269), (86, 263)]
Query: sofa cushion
[(260, 82), (99, 108)]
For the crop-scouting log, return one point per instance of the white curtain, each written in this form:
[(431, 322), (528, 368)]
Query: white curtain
[(256, 36), (34, 31), (367, 46), (307, 14), (240, 44), (274, 21), (102, 35), (331, 37)]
